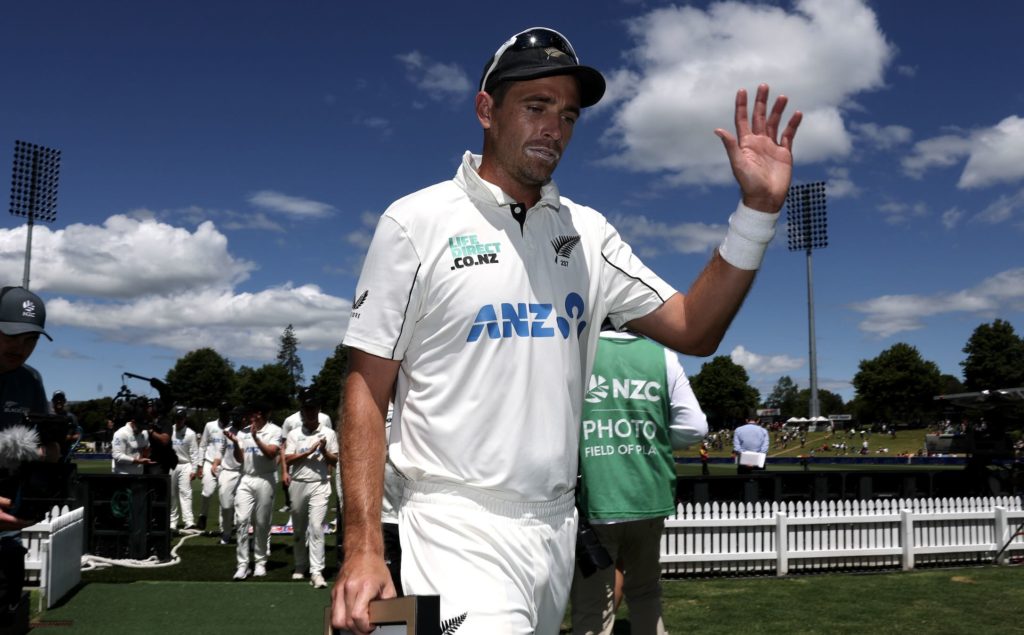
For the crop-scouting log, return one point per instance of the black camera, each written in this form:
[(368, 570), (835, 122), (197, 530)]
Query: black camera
[(591, 555)]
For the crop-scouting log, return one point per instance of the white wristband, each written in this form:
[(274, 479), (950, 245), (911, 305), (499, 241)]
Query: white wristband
[(749, 233)]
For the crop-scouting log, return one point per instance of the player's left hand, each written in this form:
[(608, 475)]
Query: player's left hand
[(761, 161)]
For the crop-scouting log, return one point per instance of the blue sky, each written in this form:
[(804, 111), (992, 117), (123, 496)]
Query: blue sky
[(223, 164)]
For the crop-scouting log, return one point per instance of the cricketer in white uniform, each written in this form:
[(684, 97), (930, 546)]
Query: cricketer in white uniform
[(479, 307), (311, 451), (129, 450), (229, 471), (186, 447), (256, 447), (210, 442)]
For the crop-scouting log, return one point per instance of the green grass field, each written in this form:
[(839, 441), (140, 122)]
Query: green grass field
[(197, 596)]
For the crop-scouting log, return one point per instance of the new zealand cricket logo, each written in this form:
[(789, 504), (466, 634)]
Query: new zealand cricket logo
[(563, 246)]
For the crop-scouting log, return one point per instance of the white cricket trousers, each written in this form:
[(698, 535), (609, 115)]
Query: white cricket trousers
[(499, 566), (309, 511), (254, 503), (227, 484), (181, 495)]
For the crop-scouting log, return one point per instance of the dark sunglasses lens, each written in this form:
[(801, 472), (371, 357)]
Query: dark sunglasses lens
[(542, 38)]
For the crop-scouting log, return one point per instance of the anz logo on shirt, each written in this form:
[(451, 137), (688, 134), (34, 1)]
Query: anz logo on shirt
[(529, 319)]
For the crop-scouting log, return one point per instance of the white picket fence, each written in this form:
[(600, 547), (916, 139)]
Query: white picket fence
[(821, 536), (54, 558)]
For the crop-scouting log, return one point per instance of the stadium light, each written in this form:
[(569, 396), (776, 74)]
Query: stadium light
[(807, 230), (34, 189)]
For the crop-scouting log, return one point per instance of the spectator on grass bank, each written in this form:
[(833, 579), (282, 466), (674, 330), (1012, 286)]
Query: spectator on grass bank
[(626, 495), (753, 438)]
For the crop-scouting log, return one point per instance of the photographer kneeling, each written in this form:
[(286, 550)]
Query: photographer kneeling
[(22, 317)]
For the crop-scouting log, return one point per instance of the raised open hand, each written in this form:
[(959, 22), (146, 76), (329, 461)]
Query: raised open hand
[(761, 161)]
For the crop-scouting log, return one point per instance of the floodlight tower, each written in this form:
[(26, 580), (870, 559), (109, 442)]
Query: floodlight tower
[(807, 230), (34, 189)]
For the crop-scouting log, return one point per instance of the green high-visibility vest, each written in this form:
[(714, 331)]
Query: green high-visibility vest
[(625, 450)]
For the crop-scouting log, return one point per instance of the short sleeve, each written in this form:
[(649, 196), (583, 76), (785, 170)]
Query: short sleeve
[(383, 310), (631, 289)]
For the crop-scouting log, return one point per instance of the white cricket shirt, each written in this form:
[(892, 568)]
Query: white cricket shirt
[(496, 324)]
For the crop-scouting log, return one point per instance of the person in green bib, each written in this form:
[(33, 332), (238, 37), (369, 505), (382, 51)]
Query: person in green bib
[(638, 408)]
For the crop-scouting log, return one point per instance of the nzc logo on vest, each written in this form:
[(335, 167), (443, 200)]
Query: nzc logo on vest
[(527, 319)]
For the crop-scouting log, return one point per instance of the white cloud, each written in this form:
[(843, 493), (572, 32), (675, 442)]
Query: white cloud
[(124, 258), (997, 155), (901, 213), (941, 151), (656, 237), (764, 364), (1002, 209), (890, 314), (951, 217), (438, 80), (292, 206), (147, 282), (994, 155), (246, 325), (688, 63), (840, 185), (882, 137)]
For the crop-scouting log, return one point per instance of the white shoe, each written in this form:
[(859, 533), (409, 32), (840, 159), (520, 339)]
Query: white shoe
[(298, 576), (242, 572), (260, 571), (318, 581)]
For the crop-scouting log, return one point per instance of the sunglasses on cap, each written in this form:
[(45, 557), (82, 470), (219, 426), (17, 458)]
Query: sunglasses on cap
[(533, 38)]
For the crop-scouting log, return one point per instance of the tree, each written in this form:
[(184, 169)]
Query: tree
[(784, 397), (270, 384), (829, 403), (201, 379), (897, 387), (995, 358), (724, 392), (288, 355), (328, 384)]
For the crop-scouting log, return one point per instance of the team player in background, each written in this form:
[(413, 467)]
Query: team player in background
[(309, 407), (256, 447), (311, 451), (228, 470), (490, 359), (129, 449), (186, 447), (210, 442)]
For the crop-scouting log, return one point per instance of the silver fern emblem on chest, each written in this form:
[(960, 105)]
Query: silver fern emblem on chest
[(563, 246)]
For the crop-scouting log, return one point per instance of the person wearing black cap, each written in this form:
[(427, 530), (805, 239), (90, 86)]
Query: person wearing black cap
[(490, 287), (22, 321), (309, 410), (74, 435), (310, 451)]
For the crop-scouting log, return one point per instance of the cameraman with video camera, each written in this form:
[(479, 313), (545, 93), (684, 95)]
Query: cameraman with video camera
[(22, 317)]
